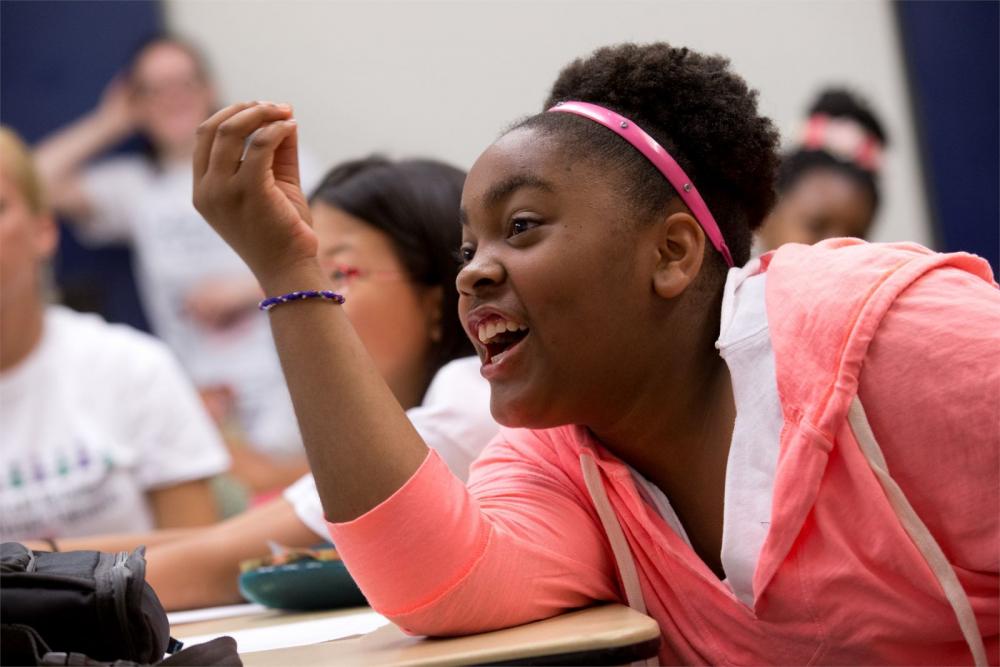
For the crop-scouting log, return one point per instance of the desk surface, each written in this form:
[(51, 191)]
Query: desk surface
[(599, 635)]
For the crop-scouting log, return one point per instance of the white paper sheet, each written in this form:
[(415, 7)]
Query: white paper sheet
[(298, 634), (212, 613)]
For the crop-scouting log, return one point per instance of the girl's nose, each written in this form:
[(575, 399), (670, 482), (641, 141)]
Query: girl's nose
[(481, 272)]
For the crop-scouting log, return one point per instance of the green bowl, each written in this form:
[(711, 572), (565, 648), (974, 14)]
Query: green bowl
[(305, 585)]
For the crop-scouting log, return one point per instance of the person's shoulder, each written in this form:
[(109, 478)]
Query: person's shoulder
[(462, 370), (559, 446), (454, 416), (538, 458), (844, 265), (848, 283), (828, 303), (99, 343), (458, 381), (833, 295), (124, 162), (126, 170)]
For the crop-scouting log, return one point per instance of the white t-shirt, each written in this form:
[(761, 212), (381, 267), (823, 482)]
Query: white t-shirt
[(97, 415), (177, 252), (745, 345), (454, 420)]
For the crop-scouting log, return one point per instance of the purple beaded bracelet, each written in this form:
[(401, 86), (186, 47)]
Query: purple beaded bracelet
[(271, 302)]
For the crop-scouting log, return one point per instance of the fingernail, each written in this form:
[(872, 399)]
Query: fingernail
[(284, 105)]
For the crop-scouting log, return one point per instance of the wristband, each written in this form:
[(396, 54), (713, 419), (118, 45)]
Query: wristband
[(327, 295)]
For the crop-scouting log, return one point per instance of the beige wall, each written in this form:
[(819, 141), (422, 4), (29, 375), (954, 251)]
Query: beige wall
[(443, 78)]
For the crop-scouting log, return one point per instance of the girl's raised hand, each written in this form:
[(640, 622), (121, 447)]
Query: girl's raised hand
[(115, 108), (254, 201)]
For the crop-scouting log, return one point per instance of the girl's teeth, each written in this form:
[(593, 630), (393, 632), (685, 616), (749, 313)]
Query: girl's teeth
[(492, 328)]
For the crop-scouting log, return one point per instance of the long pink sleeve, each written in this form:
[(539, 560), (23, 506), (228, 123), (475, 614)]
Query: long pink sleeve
[(520, 544)]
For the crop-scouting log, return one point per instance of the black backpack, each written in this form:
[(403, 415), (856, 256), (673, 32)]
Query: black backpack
[(83, 603)]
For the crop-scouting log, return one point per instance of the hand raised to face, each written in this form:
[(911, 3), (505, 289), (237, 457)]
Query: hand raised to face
[(115, 108), (246, 185)]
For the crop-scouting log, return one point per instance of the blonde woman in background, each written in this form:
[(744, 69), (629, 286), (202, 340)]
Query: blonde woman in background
[(99, 429)]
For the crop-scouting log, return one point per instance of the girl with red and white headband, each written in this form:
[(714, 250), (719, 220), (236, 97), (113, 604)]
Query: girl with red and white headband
[(828, 184)]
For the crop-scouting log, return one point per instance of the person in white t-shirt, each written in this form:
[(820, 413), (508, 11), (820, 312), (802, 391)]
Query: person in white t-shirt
[(99, 428), (198, 295), (387, 234)]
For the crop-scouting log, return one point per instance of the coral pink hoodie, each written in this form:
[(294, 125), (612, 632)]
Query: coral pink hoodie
[(868, 560)]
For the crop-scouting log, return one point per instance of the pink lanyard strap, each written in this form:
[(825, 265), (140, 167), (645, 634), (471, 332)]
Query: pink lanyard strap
[(661, 159)]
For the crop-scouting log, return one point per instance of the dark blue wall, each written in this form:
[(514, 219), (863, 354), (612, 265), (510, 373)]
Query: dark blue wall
[(55, 59), (952, 55)]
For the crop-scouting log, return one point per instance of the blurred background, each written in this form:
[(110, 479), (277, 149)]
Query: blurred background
[(442, 79)]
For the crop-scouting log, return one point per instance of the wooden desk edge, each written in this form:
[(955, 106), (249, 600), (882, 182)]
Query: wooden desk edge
[(593, 630)]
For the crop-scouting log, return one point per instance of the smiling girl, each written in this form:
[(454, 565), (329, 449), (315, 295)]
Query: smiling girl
[(790, 462)]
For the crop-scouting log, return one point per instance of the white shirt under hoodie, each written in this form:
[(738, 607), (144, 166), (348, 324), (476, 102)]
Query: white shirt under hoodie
[(745, 345)]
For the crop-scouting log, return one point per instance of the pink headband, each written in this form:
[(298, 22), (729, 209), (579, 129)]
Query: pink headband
[(843, 138), (661, 159)]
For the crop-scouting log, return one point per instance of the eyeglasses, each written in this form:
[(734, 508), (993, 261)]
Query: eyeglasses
[(343, 275), (169, 88)]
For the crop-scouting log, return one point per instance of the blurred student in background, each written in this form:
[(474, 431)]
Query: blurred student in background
[(828, 185), (387, 232), (199, 296), (99, 428)]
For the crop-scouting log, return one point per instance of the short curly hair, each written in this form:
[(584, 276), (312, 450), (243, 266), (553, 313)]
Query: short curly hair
[(694, 106)]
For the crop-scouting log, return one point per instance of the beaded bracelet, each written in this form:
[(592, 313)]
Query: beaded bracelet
[(271, 302)]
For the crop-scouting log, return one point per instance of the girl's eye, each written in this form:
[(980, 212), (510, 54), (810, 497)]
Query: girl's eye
[(343, 274), (521, 225), (465, 254)]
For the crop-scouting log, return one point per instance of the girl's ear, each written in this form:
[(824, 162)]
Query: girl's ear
[(433, 300), (680, 252), (46, 236)]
